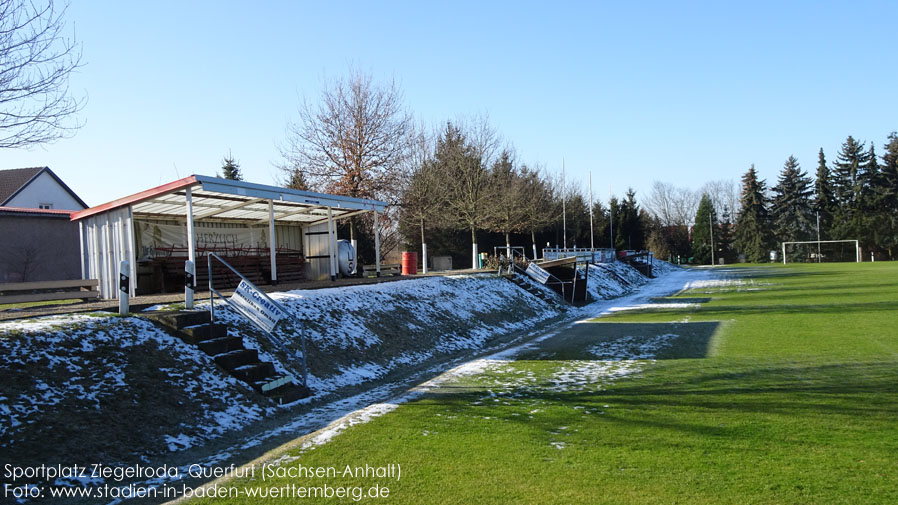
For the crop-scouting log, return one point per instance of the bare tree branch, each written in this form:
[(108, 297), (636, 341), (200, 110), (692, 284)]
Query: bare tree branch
[(353, 142), (36, 60)]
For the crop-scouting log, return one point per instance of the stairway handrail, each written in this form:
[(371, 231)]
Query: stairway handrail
[(274, 339)]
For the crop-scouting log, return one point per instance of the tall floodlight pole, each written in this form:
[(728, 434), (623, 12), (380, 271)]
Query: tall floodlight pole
[(563, 208), (610, 217), (818, 236), (711, 227), (592, 245)]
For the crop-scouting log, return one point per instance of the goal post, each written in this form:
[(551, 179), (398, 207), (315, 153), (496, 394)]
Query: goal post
[(857, 250)]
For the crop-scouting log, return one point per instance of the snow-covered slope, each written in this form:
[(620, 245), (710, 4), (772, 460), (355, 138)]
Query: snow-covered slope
[(79, 383), (361, 333), (610, 280), (75, 384)]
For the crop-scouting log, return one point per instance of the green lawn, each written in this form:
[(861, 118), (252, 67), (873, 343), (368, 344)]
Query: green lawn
[(780, 387), (28, 305)]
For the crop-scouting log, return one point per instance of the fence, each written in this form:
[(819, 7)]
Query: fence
[(582, 254)]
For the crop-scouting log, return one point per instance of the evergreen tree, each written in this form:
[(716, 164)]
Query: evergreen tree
[(724, 240), (848, 173), (792, 209), (600, 224), (752, 231), (629, 231), (849, 178), (577, 219), (614, 218), (705, 222), (824, 199), (297, 181), (886, 199), (872, 179), (506, 190), (230, 169), (466, 175)]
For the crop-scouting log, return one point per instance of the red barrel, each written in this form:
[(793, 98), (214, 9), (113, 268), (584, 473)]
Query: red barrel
[(409, 263)]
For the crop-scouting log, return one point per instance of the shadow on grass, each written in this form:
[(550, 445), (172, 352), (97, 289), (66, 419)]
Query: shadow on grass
[(685, 299), (730, 311), (741, 404), (692, 340)]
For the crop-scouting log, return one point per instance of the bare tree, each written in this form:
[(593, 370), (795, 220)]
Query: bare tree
[(352, 143), (672, 206), (724, 195), (424, 192), (537, 201), (36, 60)]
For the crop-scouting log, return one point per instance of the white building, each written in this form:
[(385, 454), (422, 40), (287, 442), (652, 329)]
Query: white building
[(36, 188)]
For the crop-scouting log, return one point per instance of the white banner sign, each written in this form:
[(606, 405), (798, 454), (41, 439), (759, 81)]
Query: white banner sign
[(537, 273), (223, 240), (255, 307)]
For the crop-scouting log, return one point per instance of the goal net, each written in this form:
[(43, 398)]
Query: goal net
[(821, 251)]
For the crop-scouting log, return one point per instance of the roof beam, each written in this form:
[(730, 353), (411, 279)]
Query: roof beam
[(342, 216), (304, 210), (226, 208)]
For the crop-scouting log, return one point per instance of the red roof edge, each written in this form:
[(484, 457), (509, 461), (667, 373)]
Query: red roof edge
[(24, 210), (136, 197)]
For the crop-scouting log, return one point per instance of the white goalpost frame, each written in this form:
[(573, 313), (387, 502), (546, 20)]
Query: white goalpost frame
[(857, 250)]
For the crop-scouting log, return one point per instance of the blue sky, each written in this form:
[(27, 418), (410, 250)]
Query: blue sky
[(682, 92)]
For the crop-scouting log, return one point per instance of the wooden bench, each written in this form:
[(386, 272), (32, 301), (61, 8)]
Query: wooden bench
[(385, 269), (25, 292)]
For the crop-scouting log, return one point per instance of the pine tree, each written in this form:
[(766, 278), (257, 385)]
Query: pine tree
[(886, 199), (824, 199), (848, 173), (230, 169), (614, 219), (705, 222), (849, 178), (753, 223), (723, 242), (629, 232), (871, 181), (297, 181), (792, 210), (600, 224)]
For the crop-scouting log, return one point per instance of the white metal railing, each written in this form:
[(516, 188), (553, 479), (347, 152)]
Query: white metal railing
[(581, 253), (271, 337)]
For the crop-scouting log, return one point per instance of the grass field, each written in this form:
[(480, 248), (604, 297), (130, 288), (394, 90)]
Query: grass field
[(775, 385), (28, 305)]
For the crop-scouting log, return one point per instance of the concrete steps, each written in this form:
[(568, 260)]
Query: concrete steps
[(230, 354)]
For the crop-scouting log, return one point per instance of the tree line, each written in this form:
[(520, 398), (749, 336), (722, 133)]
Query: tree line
[(853, 198), (461, 189)]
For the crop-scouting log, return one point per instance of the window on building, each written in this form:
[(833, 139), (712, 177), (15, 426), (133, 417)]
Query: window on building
[(45, 206)]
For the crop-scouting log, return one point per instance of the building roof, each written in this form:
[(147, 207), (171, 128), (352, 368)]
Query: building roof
[(218, 198), (19, 211), (13, 181)]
